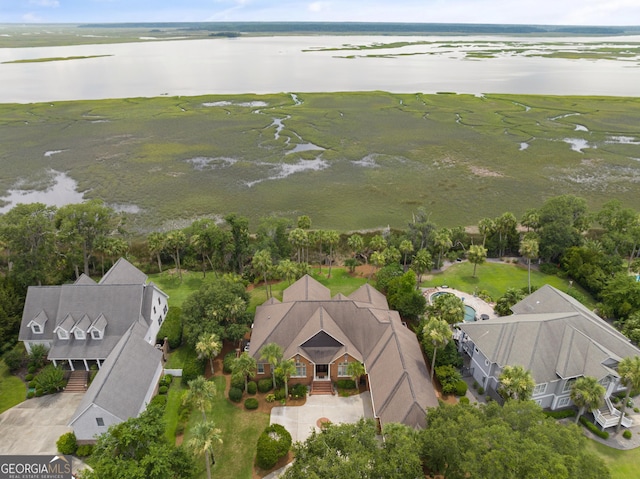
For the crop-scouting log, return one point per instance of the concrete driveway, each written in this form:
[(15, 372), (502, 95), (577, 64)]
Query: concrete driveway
[(34, 426), (301, 420)]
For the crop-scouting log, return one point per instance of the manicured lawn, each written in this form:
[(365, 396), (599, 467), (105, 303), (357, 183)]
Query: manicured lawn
[(12, 389), (496, 278), (178, 357), (240, 432), (172, 409), (178, 291), (622, 464)]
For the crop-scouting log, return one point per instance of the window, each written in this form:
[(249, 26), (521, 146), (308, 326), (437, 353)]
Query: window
[(99, 421), (62, 334), (160, 320), (79, 334), (165, 309), (36, 328), (562, 402), (567, 385), (154, 310), (540, 389), (301, 370), (260, 368), (342, 369), (95, 334), (158, 300)]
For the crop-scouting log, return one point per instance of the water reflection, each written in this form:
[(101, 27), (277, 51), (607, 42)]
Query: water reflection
[(62, 191)]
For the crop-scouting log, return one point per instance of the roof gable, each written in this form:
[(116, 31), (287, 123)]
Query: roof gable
[(306, 289), (123, 272)]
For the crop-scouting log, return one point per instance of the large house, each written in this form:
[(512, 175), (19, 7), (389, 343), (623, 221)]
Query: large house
[(324, 334), (112, 325), (556, 338)]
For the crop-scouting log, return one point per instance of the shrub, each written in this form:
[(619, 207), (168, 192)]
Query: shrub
[(163, 390), (461, 388), (32, 384), (252, 387), (227, 362), (273, 444), (593, 428), (50, 380), (191, 369), (159, 400), (475, 384), (38, 393), (447, 356), (172, 328), (85, 450), (464, 400), (265, 385), (298, 391), (38, 356), (448, 377), (14, 359), (67, 443), (480, 390), (235, 394), (32, 369), (166, 380), (627, 434), (279, 394), (270, 397), (251, 403), (30, 394), (237, 381), (565, 413), (345, 384), (28, 377)]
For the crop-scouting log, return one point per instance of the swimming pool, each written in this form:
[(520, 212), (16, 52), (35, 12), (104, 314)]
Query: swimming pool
[(469, 312)]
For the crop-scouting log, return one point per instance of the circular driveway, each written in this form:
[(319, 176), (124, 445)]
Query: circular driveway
[(34, 426)]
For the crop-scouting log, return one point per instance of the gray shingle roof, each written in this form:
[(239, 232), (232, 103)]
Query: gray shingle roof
[(552, 335), (362, 326), (125, 378), (123, 272)]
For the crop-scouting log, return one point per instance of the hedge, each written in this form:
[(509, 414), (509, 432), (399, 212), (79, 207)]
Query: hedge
[(345, 384), (172, 328), (251, 403), (265, 385), (160, 400), (565, 413), (460, 388), (298, 391), (593, 428), (191, 369), (235, 394), (273, 444), (227, 362)]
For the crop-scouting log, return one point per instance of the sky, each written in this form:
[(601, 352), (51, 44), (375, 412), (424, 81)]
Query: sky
[(540, 12)]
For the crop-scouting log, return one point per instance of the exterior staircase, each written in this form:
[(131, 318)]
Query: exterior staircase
[(77, 382), (608, 416), (321, 387)]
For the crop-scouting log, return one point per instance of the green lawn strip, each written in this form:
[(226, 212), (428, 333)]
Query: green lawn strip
[(12, 389), (240, 431), (177, 291), (622, 464), (174, 400), (179, 357), (496, 278)]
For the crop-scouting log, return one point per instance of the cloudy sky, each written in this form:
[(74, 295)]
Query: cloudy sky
[(548, 12)]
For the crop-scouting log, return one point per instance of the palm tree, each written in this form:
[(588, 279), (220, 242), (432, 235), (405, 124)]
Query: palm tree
[(378, 260), (262, 263), (529, 248), (421, 262), (442, 240), (516, 383), (175, 241), (203, 436), (405, 248), (477, 255), (245, 366), (287, 270), (286, 369), (272, 353), (629, 371), (208, 346), (356, 370), (331, 237), (438, 333), (200, 394), (356, 243), (486, 226), (587, 393), (156, 244)]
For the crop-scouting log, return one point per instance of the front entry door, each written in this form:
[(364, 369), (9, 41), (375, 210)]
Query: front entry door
[(322, 371)]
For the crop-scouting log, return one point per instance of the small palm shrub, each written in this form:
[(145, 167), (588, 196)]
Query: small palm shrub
[(67, 443), (273, 444), (227, 362), (50, 380), (235, 394)]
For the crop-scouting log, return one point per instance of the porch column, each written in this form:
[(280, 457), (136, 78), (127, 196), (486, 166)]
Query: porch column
[(71, 364), (86, 366), (99, 364), (55, 364)]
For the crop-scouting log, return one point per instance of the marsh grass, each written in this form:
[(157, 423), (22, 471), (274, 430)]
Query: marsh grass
[(458, 156)]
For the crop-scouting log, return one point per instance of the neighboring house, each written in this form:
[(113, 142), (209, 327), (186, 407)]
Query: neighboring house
[(556, 338), (111, 324), (323, 334)]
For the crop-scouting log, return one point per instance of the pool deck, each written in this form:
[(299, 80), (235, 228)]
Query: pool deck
[(481, 307)]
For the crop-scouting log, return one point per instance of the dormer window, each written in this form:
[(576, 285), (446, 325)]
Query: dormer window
[(97, 328), (36, 329), (95, 334), (79, 334), (62, 334), (37, 323)]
